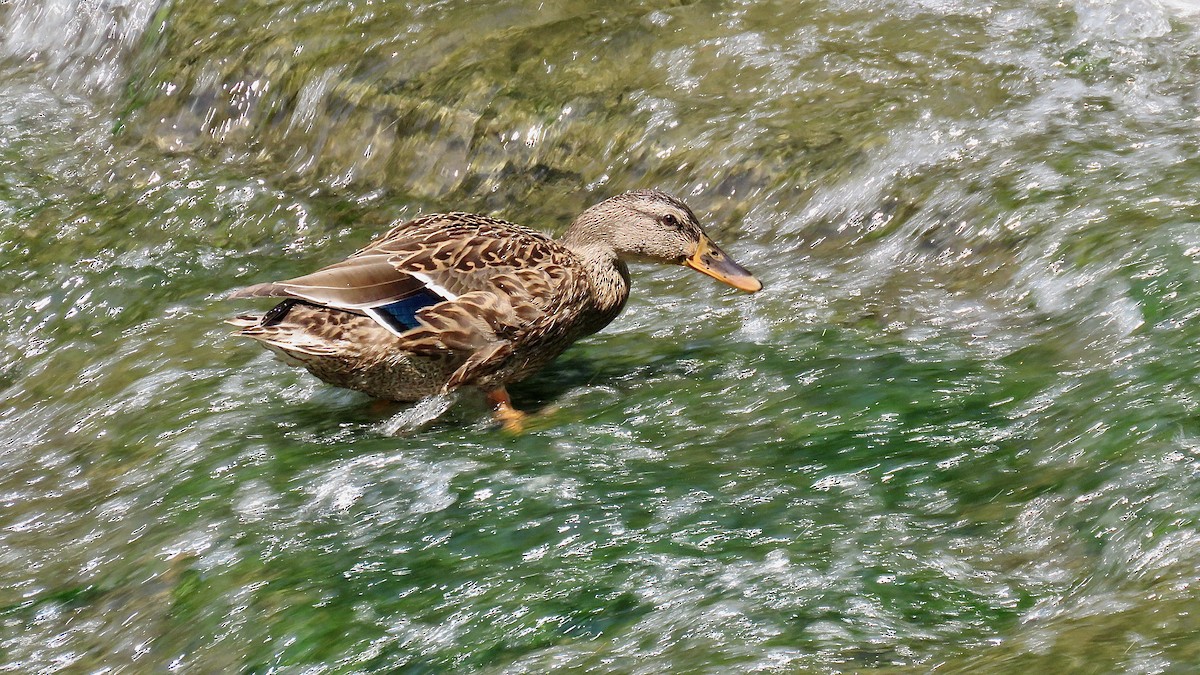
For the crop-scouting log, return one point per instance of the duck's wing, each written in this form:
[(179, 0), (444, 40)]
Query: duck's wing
[(445, 283), (357, 283)]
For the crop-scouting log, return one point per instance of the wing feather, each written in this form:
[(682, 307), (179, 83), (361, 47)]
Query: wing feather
[(355, 283)]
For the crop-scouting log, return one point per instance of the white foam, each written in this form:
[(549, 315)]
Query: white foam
[(420, 414)]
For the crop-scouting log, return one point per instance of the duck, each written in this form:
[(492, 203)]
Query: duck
[(454, 300)]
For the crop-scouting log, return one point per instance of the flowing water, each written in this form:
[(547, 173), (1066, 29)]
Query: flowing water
[(957, 432)]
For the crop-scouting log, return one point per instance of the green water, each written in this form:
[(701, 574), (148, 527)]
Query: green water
[(957, 432)]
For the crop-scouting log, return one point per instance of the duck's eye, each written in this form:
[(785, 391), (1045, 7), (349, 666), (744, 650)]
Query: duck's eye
[(670, 220)]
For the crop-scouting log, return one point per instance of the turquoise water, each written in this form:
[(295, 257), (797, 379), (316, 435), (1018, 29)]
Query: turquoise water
[(957, 432)]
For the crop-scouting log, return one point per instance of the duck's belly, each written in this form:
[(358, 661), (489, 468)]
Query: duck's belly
[(399, 377)]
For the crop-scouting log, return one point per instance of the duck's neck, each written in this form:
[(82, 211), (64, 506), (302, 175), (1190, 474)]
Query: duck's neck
[(609, 278), (591, 236)]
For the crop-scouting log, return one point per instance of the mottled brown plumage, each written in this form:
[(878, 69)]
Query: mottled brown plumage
[(461, 299)]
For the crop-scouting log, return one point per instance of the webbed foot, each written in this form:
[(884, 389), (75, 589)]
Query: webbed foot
[(511, 420)]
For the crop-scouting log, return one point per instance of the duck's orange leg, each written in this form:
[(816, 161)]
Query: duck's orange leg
[(511, 419)]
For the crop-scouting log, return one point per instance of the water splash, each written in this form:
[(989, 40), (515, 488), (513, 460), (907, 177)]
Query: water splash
[(420, 415), (76, 45)]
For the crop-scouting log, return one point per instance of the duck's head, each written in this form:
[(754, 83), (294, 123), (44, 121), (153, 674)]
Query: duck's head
[(653, 226)]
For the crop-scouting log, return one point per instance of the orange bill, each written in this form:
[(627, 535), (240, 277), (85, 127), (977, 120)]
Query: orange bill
[(710, 260)]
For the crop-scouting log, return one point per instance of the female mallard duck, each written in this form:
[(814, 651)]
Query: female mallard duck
[(458, 299)]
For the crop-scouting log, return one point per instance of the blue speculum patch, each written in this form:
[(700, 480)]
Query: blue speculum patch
[(402, 313)]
